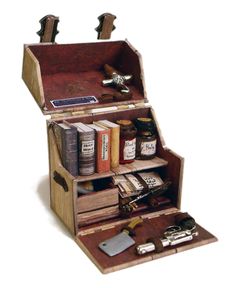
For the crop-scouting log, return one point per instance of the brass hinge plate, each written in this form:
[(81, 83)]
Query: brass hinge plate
[(95, 111)]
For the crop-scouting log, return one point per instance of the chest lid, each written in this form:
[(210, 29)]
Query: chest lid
[(68, 77)]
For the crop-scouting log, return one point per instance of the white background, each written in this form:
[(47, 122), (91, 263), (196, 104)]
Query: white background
[(189, 55)]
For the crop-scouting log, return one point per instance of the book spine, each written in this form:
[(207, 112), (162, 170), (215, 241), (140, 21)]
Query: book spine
[(69, 151), (86, 153), (115, 146), (103, 151)]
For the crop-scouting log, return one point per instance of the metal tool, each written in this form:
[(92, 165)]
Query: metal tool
[(173, 235), (127, 209), (122, 241), (116, 79)]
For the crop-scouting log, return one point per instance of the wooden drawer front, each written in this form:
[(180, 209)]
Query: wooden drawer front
[(97, 200), (95, 216)]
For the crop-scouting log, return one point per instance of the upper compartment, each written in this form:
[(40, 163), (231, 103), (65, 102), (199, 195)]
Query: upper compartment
[(65, 71)]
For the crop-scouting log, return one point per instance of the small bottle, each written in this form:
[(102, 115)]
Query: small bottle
[(146, 138), (127, 141)]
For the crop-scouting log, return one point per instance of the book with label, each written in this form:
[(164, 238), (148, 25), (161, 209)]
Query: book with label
[(103, 150), (66, 140), (115, 140), (86, 148)]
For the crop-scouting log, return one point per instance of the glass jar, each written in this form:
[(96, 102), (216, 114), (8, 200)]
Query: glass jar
[(128, 133), (146, 139)]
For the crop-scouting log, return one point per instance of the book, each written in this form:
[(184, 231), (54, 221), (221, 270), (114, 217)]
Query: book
[(115, 140), (134, 181), (86, 149), (152, 179), (66, 140), (134, 184), (103, 148), (117, 179)]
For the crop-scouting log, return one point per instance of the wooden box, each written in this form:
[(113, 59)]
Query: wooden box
[(53, 71)]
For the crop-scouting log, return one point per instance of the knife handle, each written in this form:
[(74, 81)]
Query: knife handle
[(129, 229)]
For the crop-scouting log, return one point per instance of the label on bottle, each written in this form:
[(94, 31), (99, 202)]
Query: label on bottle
[(105, 141), (129, 149), (87, 147), (148, 148)]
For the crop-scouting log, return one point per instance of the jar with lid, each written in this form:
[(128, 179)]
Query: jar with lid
[(146, 138), (128, 133)]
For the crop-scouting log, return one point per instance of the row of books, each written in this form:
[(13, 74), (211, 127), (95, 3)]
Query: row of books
[(88, 148)]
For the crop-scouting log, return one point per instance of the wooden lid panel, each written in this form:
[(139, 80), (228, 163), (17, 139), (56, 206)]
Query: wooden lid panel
[(77, 70), (151, 228)]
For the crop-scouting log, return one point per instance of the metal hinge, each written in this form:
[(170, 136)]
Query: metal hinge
[(100, 110), (63, 115), (96, 229), (142, 105), (117, 108)]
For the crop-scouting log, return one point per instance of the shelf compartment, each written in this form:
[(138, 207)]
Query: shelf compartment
[(139, 165), (98, 200), (94, 176)]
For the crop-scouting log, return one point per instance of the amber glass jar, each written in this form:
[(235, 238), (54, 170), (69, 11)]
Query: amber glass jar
[(128, 133), (146, 139)]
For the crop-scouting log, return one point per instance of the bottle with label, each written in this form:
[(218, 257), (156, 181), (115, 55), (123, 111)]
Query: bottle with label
[(127, 141), (146, 138)]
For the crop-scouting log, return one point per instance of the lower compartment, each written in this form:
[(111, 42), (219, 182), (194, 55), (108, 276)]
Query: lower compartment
[(107, 201), (152, 227)]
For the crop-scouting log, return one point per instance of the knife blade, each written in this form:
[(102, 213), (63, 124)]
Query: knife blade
[(121, 241)]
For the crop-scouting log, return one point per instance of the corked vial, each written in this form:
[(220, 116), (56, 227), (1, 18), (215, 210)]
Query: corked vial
[(146, 139), (128, 133)]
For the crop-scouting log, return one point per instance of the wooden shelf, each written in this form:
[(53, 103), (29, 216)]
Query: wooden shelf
[(137, 165), (94, 176)]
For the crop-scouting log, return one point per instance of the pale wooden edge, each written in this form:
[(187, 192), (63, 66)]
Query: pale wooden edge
[(87, 253), (111, 194), (195, 245), (94, 176), (180, 176), (114, 268), (62, 115), (31, 74), (128, 264), (61, 202), (158, 128), (167, 211), (141, 67), (82, 109), (183, 248), (124, 169), (75, 197), (124, 221), (165, 148), (139, 165), (40, 44), (142, 259), (98, 213)]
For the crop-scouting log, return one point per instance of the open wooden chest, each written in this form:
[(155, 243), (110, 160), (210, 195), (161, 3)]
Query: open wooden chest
[(56, 72)]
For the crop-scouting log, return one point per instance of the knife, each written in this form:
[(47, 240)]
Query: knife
[(121, 241)]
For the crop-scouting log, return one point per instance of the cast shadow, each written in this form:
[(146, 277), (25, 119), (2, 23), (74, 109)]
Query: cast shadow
[(43, 192)]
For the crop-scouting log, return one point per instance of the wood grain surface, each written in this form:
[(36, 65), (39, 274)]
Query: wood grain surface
[(153, 227)]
